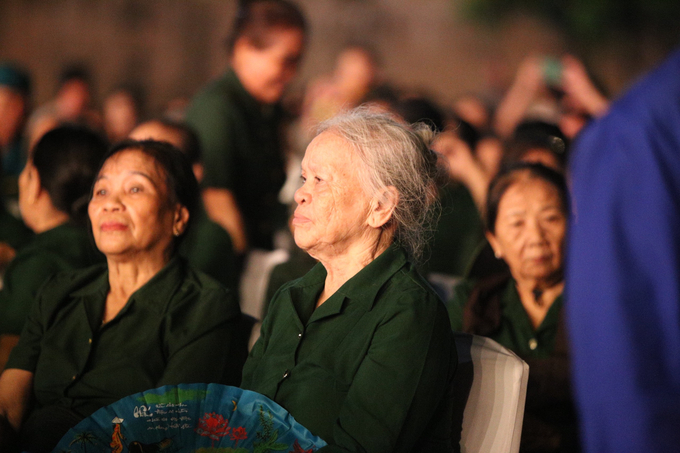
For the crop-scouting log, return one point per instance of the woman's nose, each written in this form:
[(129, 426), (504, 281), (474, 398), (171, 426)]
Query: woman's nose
[(536, 231), (301, 195), (112, 203)]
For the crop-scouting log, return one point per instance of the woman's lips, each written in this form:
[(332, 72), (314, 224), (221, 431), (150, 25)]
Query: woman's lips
[(113, 226), (299, 219)]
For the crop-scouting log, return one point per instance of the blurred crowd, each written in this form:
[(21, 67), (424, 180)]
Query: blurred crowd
[(496, 249)]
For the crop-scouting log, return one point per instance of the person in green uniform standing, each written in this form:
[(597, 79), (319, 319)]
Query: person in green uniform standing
[(53, 191), (522, 309), (238, 118), (359, 349), (143, 320)]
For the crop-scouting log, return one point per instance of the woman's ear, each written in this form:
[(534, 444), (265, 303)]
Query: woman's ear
[(383, 206), (497, 250), (31, 187), (180, 221)]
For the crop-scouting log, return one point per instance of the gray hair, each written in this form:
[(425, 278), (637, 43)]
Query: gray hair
[(394, 154)]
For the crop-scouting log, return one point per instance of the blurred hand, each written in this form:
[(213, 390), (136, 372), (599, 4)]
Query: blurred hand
[(7, 254), (580, 89)]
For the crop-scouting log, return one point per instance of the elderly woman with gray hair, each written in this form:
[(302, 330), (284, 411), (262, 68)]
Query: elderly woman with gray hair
[(359, 349)]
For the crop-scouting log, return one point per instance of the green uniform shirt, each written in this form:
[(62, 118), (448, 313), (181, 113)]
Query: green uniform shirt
[(515, 331), (12, 230), (174, 329), (62, 248), (458, 233), (208, 248), (366, 370), (242, 153)]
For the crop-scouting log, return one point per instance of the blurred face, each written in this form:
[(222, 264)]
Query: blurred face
[(266, 72), (12, 109), (129, 210), (73, 99), (530, 231), (332, 212)]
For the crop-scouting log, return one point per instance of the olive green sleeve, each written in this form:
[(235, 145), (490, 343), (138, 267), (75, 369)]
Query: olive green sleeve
[(21, 282)]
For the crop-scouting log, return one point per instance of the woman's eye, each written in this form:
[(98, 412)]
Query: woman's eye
[(303, 179), (135, 189), (100, 192), (317, 179)]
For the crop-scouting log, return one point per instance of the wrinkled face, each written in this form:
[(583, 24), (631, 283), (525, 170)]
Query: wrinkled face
[(332, 212), (266, 72), (530, 230), (129, 210)]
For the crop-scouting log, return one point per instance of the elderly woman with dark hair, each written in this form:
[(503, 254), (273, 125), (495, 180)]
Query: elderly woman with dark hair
[(359, 349), (521, 308), (144, 320)]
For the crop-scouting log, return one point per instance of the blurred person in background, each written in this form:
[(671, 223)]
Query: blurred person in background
[(54, 188), (70, 105), (238, 119), (142, 320), (207, 246), (558, 90), (522, 307), (353, 77), (15, 88), (120, 113)]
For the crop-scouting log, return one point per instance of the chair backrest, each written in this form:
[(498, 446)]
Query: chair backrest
[(493, 415)]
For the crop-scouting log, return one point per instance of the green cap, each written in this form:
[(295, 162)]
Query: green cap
[(14, 77)]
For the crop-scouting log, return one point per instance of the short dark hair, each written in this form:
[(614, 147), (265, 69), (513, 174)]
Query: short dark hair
[(536, 134), (255, 18), (191, 144), (513, 173), (179, 177), (75, 71), (67, 159)]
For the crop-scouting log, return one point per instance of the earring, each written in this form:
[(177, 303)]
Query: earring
[(497, 254), (176, 232)]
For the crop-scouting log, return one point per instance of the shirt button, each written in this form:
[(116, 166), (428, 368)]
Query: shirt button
[(89, 340), (286, 374), (533, 344), (73, 378), (299, 335)]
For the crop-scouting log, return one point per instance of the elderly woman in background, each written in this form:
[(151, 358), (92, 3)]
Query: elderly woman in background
[(359, 349), (527, 210), (144, 320), (54, 189)]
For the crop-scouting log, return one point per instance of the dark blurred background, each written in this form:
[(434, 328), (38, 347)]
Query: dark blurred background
[(167, 49)]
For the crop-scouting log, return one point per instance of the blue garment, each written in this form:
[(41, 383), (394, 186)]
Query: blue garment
[(623, 270)]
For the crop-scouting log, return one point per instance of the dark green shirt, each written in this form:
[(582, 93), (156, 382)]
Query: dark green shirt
[(458, 232), (242, 152), (516, 331), (367, 369), (174, 329), (208, 248), (12, 230), (62, 248)]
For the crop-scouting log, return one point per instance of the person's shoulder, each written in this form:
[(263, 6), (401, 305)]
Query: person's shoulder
[(201, 288), (217, 94), (63, 286)]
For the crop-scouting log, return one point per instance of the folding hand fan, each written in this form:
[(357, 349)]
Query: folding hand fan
[(197, 418)]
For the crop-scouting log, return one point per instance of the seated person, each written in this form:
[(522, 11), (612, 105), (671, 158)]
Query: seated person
[(522, 309), (54, 188), (143, 320), (207, 246), (359, 349)]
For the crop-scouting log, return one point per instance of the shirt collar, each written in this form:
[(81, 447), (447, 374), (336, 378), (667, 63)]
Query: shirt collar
[(154, 293), (362, 289)]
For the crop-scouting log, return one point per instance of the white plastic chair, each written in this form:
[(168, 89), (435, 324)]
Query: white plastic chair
[(493, 415)]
